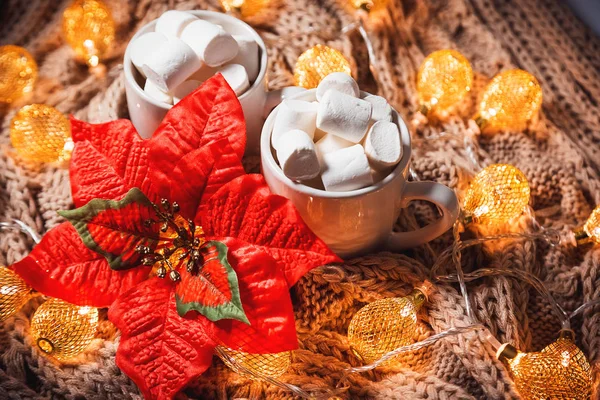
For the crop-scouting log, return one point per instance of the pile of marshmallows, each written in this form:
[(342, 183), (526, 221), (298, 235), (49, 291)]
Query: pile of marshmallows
[(185, 51), (357, 143)]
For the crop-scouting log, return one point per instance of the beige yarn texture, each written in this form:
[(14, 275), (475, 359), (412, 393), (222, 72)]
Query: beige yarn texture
[(560, 156)]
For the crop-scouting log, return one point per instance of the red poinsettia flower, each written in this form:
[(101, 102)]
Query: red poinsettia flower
[(187, 250)]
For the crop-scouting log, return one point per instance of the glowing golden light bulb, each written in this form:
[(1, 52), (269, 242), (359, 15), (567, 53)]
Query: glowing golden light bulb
[(559, 371), (255, 366), (509, 102), (444, 79), (14, 293), (245, 8), (369, 5), (592, 225), (41, 134), (63, 330), (384, 325), (89, 29), (316, 63), (18, 72), (499, 193)]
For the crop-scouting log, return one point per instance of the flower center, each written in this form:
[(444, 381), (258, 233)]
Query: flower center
[(180, 243)]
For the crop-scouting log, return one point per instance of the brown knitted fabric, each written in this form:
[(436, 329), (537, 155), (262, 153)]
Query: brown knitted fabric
[(560, 157)]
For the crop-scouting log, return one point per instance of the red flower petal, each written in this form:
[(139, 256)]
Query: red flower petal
[(245, 209), (159, 350), (208, 115), (199, 174), (119, 153), (266, 300), (61, 266)]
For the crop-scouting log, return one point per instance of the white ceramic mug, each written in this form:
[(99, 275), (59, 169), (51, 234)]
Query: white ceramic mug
[(146, 113), (358, 221)]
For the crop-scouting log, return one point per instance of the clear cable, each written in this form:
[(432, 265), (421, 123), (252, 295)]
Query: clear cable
[(582, 308), (286, 386), (531, 279), (413, 347), (21, 226)]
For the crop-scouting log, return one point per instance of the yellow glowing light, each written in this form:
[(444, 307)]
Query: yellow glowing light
[(384, 325), (41, 134), (89, 29), (559, 371), (510, 101), (63, 330), (592, 225), (369, 5), (444, 79), (245, 8), (18, 72), (14, 293), (499, 193), (255, 366), (316, 63)]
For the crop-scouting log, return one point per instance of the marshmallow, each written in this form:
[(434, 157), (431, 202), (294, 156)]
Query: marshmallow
[(236, 77), (382, 111), (144, 46), (154, 91), (247, 56), (211, 43), (184, 89), (297, 156), (344, 116), (331, 143), (339, 81), (171, 64), (204, 73), (346, 169), (382, 145), (294, 114), (172, 22)]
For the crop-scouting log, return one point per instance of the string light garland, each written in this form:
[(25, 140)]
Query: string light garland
[(245, 8), (89, 29), (559, 371), (497, 194), (14, 293), (63, 330), (255, 366), (444, 79), (316, 63), (41, 134), (590, 231), (384, 325), (510, 101), (18, 73)]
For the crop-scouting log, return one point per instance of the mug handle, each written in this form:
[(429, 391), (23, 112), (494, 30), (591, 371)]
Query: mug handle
[(275, 97), (436, 193)]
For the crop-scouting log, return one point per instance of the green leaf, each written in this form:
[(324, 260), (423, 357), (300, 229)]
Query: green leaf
[(115, 228), (212, 288)]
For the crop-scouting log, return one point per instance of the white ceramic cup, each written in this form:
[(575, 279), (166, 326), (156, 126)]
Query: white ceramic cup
[(146, 113), (358, 221)]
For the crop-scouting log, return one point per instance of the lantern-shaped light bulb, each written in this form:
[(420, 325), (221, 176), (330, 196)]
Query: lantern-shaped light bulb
[(444, 79), (41, 134), (369, 5), (14, 293), (245, 8), (18, 72), (89, 29), (384, 325), (559, 371), (63, 330), (509, 102), (592, 225), (255, 366), (499, 193), (316, 63)]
